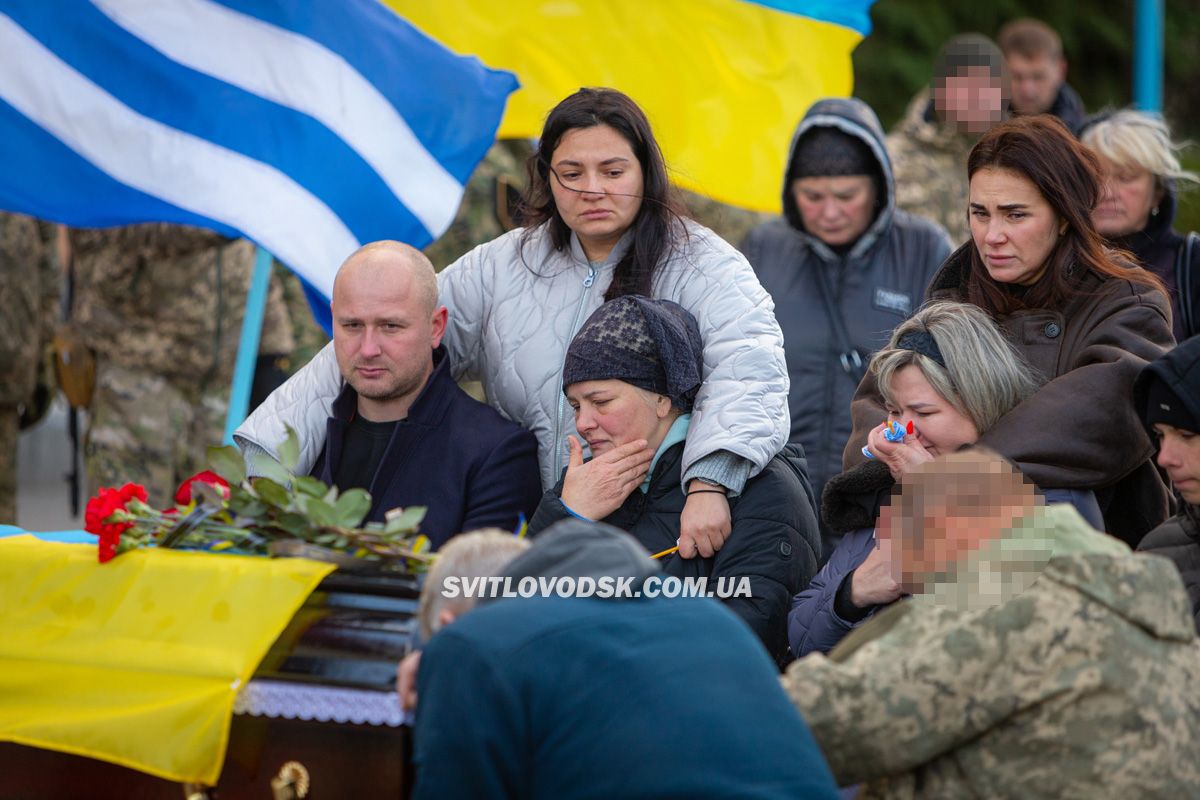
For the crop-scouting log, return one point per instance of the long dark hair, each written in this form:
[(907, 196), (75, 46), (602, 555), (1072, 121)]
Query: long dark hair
[(659, 221), (1067, 174)]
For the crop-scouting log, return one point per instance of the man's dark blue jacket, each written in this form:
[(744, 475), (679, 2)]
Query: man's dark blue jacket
[(471, 467)]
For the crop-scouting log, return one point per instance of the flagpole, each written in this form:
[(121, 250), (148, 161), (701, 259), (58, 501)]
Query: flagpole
[(1148, 55), (247, 357)]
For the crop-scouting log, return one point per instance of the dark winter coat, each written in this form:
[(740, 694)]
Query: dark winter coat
[(774, 539), (822, 615), (469, 466), (1157, 248), (877, 283), (1079, 430), (1179, 537), (1068, 107), (1179, 540)]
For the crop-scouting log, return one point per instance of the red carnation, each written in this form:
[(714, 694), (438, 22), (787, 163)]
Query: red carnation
[(108, 546), (184, 495), (101, 508)]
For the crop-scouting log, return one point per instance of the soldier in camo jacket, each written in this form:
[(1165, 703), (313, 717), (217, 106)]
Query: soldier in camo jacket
[(29, 294), (162, 306), (1040, 658), (929, 147)]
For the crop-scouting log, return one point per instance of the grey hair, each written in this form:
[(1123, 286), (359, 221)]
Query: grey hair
[(984, 377), (479, 554), (1131, 138)]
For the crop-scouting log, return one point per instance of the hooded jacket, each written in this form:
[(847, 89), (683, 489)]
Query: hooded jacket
[(1079, 430), (514, 305), (877, 283), (773, 540), (1179, 537), (599, 697), (1081, 686)]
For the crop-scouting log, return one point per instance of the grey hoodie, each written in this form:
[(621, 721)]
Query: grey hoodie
[(877, 283)]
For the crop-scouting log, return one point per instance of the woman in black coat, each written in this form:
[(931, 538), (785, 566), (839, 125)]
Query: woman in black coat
[(631, 376), (1136, 211)]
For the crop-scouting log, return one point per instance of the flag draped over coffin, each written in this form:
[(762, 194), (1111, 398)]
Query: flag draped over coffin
[(137, 661), (309, 127), (724, 82)]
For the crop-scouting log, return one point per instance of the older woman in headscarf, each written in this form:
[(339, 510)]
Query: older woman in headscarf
[(631, 376)]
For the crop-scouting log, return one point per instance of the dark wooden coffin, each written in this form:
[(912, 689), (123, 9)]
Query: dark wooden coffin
[(324, 697)]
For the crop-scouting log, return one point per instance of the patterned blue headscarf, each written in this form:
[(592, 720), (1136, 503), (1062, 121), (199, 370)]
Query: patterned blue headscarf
[(652, 344)]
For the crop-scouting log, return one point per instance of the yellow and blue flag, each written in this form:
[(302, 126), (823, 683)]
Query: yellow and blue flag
[(137, 661), (724, 82), (310, 127)]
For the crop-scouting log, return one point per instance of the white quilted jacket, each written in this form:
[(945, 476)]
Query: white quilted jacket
[(513, 311)]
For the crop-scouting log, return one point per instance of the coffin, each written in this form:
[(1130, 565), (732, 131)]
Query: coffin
[(324, 697)]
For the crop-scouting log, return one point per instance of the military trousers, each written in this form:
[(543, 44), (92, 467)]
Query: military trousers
[(10, 428), (145, 429)]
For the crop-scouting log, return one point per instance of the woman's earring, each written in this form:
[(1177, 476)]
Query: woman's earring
[(1154, 211)]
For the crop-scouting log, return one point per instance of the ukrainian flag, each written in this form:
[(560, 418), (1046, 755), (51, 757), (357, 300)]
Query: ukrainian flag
[(724, 82)]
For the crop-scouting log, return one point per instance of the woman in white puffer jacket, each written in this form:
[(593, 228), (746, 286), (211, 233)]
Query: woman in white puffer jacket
[(600, 223)]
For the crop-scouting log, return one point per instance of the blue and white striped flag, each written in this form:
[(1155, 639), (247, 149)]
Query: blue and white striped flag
[(308, 126)]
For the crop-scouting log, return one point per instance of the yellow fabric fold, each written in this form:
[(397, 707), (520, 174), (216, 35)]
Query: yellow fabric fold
[(136, 661), (724, 82)]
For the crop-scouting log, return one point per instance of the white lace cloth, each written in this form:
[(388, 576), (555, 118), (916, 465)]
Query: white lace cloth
[(281, 699)]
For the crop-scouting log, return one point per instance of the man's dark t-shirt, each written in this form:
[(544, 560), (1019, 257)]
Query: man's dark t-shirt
[(364, 447)]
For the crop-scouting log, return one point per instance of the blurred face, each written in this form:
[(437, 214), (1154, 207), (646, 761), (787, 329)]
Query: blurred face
[(937, 425), (384, 335), (945, 539), (1129, 195), (1035, 82), (1012, 225), (611, 413), (973, 101), (837, 210), (597, 184), (1179, 455)]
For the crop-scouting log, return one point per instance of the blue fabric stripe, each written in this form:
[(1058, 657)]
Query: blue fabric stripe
[(32, 161), (319, 305), (63, 537), (390, 53), (853, 14), (182, 98)]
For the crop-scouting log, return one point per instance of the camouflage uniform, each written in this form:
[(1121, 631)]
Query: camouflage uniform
[(1083, 686), (162, 307), (29, 292), (310, 337), (731, 223), (484, 210), (929, 160)]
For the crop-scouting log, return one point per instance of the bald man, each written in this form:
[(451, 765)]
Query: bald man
[(401, 427)]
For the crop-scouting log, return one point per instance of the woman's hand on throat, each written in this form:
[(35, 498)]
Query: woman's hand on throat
[(598, 487)]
